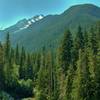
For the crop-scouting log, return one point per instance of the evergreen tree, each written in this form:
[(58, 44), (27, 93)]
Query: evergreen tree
[(22, 69), (97, 27), (82, 82), (65, 52), (29, 68), (69, 82), (1, 65), (36, 64), (17, 55), (60, 80), (79, 40), (78, 44), (56, 77), (42, 84), (93, 41), (62, 85), (49, 67), (86, 39), (97, 76), (45, 79), (7, 47), (12, 57)]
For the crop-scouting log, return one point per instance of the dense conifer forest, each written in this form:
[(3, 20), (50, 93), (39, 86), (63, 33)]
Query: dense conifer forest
[(69, 72)]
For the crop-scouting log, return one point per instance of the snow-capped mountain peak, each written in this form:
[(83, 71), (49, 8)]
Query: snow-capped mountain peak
[(30, 21), (37, 18), (41, 16)]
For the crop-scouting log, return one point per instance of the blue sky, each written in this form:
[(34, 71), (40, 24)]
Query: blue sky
[(13, 10)]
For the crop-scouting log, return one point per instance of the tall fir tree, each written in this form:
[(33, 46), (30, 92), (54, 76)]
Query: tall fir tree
[(69, 82), (65, 51), (17, 55), (78, 44), (1, 65), (82, 81), (49, 67), (22, 68), (97, 76), (7, 47), (93, 41), (12, 57), (29, 68)]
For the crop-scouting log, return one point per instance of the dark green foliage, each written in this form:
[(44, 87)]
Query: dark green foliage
[(29, 68), (79, 40), (11, 57), (7, 47), (79, 43), (65, 51), (22, 69), (69, 82), (36, 64), (17, 58), (70, 74), (82, 81), (86, 39), (1, 64), (97, 76), (25, 88), (94, 42)]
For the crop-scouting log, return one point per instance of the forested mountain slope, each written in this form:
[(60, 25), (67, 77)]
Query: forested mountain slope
[(70, 73)]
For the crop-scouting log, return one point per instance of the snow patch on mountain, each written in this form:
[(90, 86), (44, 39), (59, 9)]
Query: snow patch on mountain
[(31, 21)]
